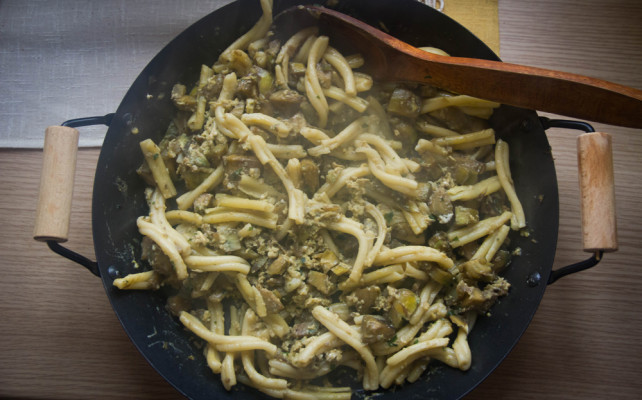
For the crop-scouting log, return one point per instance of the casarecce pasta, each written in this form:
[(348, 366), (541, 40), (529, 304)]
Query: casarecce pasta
[(311, 218)]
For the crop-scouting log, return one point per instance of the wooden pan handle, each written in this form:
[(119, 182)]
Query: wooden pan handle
[(597, 192), (56, 184)]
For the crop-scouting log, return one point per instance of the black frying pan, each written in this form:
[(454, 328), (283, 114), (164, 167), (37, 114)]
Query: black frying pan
[(118, 200)]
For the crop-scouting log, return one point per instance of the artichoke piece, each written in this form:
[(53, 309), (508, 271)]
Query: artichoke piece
[(478, 270), (340, 269), (247, 87), (213, 152), (405, 103), (278, 266), (465, 216), (237, 165), (203, 202), (310, 173), (439, 241), (501, 260), (465, 170), (304, 329), (193, 178), (146, 174), (328, 260), (240, 62), (286, 97), (177, 304), (155, 257), (213, 86), (266, 81), (441, 206), (455, 119), (403, 130), (236, 161), (473, 298), (404, 303), (230, 240), (181, 99), (441, 276), (320, 281), (462, 175), (286, 101), (364, 299), (272, 303), (375, 328), (297, 68)]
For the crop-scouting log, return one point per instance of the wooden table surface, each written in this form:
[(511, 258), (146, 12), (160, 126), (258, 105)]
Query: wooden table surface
[(60, 339)]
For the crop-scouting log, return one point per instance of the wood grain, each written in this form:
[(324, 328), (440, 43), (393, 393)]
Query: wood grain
[(61, 340), (572, 95), (597, 192), (56, 184)]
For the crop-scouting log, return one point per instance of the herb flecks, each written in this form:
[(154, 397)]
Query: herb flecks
[(388, 216), (393, 341)]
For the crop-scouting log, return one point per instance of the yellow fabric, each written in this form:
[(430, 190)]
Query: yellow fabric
[(478, 16)]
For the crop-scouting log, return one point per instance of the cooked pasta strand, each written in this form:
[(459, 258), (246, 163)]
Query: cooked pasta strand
[(350, 132), (354, 102), (381, 233), (518, 219), (479, 189), (413, 253), (482, 228), (463, 140), (316, 346), (258, 30), (491, 244), (156, 165), (270, 124), (336, 59), (226, 341), (352, 338), (330, 189), (224, 200), (290, 46), (159, 237), (175, 217), (187, 199), (436, 103), (139, 281), (247, 358), (353, 228), (312, 85)]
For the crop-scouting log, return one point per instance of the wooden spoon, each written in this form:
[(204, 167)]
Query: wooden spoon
[(528, 87)]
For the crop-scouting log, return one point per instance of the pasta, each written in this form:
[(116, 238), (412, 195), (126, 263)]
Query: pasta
[(324, 219)]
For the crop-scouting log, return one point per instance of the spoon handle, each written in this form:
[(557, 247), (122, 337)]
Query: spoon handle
[(540, 89), (518, 85)]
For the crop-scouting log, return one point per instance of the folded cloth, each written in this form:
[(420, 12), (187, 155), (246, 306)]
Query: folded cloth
[(69, 59)]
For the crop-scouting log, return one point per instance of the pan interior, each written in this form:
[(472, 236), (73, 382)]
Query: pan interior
[(118, 199)]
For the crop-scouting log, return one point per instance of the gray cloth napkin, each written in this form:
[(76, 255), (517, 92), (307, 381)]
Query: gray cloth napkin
[(68, 59)]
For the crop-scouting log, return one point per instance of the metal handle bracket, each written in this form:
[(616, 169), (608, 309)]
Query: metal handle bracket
[(598, 253), (54, 244)]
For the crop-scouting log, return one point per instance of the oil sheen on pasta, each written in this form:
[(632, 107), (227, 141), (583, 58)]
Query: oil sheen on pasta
[(328, 221)]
